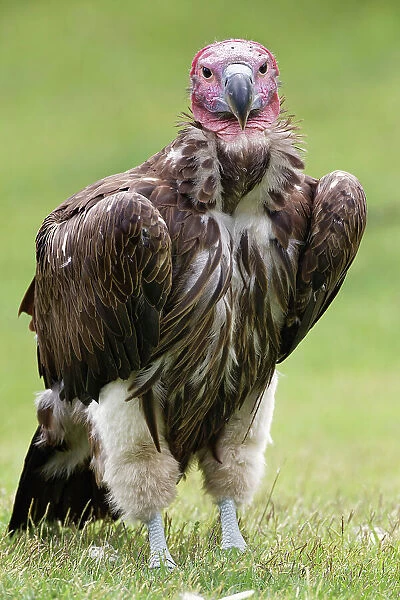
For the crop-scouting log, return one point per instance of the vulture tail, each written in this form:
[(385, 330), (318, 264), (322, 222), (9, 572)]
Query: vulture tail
[(57, 483)]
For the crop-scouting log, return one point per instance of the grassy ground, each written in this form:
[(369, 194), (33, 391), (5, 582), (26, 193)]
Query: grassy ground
[(94, 88)]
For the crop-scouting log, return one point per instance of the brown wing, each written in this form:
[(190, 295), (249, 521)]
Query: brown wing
[(337, 224), (103, 275)]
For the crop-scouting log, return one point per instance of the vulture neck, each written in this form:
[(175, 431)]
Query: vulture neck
[(244, 164), (267, 162), (221, 175)]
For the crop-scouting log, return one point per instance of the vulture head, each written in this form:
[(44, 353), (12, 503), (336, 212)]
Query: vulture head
[(234, 88)]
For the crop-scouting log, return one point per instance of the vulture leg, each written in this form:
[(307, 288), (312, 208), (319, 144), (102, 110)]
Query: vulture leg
[(231, 536), (234, 470), (159, 553), (141, 480)]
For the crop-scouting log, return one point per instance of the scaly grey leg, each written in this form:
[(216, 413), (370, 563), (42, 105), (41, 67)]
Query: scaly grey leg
[(159, 553), (231, 536)]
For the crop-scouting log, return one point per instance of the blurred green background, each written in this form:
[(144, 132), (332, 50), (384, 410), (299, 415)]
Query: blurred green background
[(92, 88)]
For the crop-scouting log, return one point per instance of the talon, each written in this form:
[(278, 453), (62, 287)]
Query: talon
[(162, 558), (238, 544)]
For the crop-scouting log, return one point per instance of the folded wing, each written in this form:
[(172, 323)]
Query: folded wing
[(103, 276), (337, 223)]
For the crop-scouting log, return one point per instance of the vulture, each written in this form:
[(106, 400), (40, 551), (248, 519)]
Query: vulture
[(165, 296)]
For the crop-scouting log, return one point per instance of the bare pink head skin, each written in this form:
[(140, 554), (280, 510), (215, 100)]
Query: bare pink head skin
[(234, 88)]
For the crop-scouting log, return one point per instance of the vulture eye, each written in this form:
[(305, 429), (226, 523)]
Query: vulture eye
[(207, 73), (263, 68)]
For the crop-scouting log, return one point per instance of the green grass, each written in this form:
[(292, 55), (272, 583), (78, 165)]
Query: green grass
[(90, 88), (297, 549)]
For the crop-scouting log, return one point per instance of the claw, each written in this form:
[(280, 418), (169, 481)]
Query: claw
[(162, 558)]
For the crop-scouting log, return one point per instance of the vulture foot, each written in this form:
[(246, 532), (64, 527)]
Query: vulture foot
[(231, 536), (162, 558), (159, 553)]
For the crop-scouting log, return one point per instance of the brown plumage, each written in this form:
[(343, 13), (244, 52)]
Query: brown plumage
[(102, 303), (191, 276)]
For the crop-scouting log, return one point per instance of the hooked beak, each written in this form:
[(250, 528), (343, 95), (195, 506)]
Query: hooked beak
[(239, 91)]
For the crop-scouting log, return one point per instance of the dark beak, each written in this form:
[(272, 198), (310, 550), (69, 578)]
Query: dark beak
[(239, 91)]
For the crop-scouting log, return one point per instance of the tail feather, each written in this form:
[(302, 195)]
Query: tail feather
[(69, 497)]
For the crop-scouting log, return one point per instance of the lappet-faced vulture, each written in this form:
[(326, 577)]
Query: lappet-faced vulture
[(165, 296)]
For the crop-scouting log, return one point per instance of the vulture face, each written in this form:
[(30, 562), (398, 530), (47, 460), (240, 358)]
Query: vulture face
[(234, 88)]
